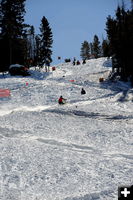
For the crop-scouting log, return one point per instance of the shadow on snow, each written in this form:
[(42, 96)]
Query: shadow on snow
[(90, 114)]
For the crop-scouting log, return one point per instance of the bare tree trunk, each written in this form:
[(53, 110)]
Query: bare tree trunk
[(10, 50), (45, 68)]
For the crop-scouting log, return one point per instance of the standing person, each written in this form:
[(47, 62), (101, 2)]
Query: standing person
[(84, 61), (73, 62)]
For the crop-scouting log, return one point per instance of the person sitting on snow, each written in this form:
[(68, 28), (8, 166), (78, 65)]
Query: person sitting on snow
[(78, 63), (61, 100), (83, 91)]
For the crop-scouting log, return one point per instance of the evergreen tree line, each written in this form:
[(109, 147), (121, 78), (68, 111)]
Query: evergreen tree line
[(120, 36), (118, 45), (20, 44), (18, 41), (94, 49)]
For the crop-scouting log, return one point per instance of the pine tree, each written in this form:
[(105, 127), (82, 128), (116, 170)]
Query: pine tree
[(37, 59), (11, 31), (46, 43), (96, 47), (132, 4), (91, 50), (85, 50), (105, 48), (30, 38), (120, 35)]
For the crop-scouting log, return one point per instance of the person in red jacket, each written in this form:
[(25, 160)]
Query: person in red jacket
[(61, 100)]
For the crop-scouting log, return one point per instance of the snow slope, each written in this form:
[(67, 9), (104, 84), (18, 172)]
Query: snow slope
[(79, 151)]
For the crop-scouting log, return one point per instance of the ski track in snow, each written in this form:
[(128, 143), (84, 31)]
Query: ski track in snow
[(64, 145), (51, 108)]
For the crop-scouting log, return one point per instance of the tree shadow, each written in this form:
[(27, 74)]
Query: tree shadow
[(118, 87), (108, 63), (91, 115), (39, 75)]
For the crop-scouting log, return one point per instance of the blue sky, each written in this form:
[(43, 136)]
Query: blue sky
[(71, 21)]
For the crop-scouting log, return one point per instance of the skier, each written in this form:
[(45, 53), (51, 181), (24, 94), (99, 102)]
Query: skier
[(73, 62), (83, 91), (84, 62), (61, 100)]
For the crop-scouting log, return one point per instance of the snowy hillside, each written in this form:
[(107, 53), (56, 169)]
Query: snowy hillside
[(82, 150)]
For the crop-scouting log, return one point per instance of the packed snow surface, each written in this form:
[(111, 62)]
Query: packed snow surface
[(82, 150)]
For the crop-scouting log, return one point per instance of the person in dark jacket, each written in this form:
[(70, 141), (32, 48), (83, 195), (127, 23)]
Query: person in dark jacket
[(73, 62), (84, 62), (61, 100), (83, 91)]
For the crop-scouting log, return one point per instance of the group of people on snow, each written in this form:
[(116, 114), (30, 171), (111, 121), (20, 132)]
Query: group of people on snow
[(62, 100), (74, 62), (78, 62)]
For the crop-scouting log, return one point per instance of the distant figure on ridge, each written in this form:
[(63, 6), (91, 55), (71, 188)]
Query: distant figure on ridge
[(83, 91), (84, 62), (78, 63), (74, 61)]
